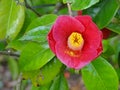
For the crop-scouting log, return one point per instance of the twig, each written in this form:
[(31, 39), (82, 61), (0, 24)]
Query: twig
[(58, 7), (9, 53), (44, 5), (69, 9), (29, 7), (18, 86)]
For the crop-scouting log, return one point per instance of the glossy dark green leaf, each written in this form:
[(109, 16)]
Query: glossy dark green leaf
[(115, 27), (42, 21), (119, 58), (100, 75), (103, 12), (11, 18), (108, 50), (83, 4), (2, 45), (38, 34), (59, 83), (107, 11), (44, 75), (34, 56)]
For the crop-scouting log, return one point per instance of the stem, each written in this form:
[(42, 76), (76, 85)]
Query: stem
[(29, 7), (9, 53), (18, 86), (44, 5), (69, 9)]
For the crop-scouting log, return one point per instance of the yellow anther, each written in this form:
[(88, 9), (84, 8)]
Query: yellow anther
[(75, 41)]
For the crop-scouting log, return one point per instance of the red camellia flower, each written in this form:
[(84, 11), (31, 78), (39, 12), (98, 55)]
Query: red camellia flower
[(76, 41)]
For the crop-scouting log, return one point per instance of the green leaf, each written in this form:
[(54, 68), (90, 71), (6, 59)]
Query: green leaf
[(13, 67), (83, 4), (34, 56), (59, 83), (11, 18), (2, 45), (17, 45), (44, 75), (37, 34), (103, 12), (42, 21), (100, 75), (107, 11), (29, 17), (108, 49), (115, 27), (43, 87)]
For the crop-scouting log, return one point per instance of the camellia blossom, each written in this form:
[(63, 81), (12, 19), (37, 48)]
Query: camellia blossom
[(76, 41)]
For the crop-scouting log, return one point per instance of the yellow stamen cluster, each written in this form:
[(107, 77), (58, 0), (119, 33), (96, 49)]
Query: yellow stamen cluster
[(75, 41)]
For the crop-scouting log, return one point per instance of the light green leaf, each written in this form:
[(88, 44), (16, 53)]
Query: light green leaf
[(44, 75), (42, 87), (17, 45), (59, 83), (38, 34), (42, 21), (29, 17), (100, 75), (83, 4), (11, 18), (34, 56), (13, 67)]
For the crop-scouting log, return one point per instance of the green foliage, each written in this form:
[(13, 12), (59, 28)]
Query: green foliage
[(34, 56), (11, 17), (83, 4), (101, 74), (103, 12), (43, 87), (2, 45), (115, 27), (29, 17), (37, 34), (13, 66), (59, 83), (41, 21), (24, 32), (45, 74)]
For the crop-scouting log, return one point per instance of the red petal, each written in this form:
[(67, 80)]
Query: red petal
[(51, 40), (64, 26), (92, 35)]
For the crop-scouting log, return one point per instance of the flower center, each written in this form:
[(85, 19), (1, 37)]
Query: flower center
[(75, 41)]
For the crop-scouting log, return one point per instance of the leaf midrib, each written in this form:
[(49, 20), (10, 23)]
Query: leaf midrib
[(9, 14)]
